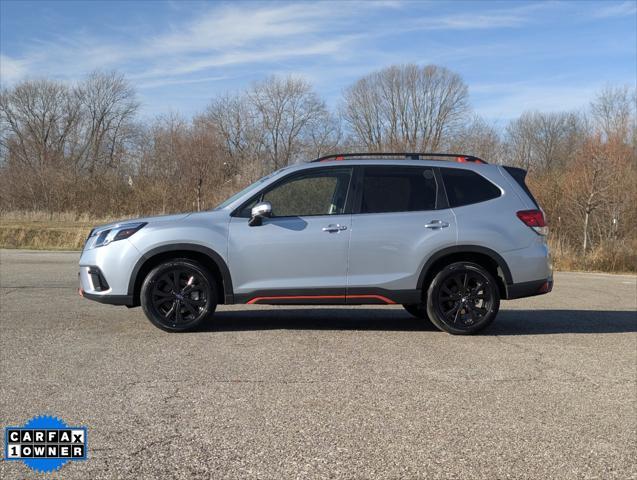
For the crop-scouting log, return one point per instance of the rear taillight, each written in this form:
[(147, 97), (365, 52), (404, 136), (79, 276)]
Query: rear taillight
[(535, 220)]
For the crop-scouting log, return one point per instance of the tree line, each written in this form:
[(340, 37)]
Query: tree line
[(83, 147)]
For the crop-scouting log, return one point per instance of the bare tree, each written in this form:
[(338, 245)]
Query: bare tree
[(323, 136), (38, 117), (53, 133), (406, 108), (286, 108), (235, 121), (613, 110), (544, 140), (592, 185), (276, 122), (107, 105), (204, 167), (478, 138)]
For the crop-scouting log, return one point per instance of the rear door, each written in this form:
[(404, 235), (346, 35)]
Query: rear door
[(400, 218)]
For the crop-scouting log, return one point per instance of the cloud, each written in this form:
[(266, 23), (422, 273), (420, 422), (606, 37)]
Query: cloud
[(210, 47), (11, 69), (471, 22), (238, 35), (622, 9), (268, 53), (223, 36), (238, 26), (512, 17), (162, 82), (504, 101)]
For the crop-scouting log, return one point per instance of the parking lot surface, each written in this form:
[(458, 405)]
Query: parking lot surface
[(549, 391)]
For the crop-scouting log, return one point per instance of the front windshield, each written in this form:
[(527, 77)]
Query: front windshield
[(249, 188)]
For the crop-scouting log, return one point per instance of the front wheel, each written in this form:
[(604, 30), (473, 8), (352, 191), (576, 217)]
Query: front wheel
[(463, 298), (178, 295)]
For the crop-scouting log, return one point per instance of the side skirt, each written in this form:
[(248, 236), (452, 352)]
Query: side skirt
[(354, 296)]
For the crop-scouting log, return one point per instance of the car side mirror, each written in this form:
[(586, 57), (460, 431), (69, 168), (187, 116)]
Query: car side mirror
[(258, 212)]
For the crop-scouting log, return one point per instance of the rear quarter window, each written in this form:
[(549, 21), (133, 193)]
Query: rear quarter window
[(465, 187)]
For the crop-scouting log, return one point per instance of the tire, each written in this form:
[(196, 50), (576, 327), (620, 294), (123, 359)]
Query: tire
[(418, 310), (183, 308), (463, 298)]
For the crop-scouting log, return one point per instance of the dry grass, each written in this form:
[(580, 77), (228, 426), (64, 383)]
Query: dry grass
[(612, 256), (67, 231), (41, 231)]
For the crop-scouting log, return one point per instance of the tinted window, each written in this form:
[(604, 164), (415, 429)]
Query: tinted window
[(318, 193), (465, 187), (398, 189)]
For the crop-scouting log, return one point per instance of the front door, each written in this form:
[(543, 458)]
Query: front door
[(299, 254)]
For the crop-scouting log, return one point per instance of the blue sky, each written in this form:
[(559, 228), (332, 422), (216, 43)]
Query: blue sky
[(513, 55)]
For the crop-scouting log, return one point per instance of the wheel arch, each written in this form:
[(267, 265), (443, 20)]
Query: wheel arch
[(204, 255), (489, 259)]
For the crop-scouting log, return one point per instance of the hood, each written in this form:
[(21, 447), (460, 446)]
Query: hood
[(156, 219), (104, 234)]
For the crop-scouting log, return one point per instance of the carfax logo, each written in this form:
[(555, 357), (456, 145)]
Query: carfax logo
[(45, 443)]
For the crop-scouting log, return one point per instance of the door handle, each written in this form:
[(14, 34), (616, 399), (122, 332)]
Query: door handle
[(332, 228), (436, 224)]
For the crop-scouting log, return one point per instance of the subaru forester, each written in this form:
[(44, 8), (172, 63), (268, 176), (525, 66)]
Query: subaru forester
[(446, 236)]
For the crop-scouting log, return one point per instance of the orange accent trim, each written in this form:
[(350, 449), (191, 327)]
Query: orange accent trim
[(294, 297), (379, 297), (310, 297), (331, 159)]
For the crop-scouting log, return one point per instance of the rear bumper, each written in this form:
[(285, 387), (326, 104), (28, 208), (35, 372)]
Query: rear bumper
[(529, 289)]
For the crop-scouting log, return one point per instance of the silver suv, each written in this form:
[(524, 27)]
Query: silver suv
[(446, 236)]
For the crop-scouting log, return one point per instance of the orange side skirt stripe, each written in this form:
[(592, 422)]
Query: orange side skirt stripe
[(313, 297)]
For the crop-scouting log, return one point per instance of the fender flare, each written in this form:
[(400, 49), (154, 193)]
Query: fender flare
[(193, 247), (496, 257)]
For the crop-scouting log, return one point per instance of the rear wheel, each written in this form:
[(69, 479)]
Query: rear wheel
[(463, 298), (178, 295)]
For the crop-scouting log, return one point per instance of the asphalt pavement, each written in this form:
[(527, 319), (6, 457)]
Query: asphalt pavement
[(549, 391)]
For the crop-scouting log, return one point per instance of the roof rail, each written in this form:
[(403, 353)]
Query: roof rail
[(409, 156)]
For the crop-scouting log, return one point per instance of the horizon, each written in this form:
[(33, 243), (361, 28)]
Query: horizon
[(514, 56)]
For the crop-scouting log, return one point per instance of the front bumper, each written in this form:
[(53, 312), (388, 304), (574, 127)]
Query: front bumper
[(105, 273), (108, 299)]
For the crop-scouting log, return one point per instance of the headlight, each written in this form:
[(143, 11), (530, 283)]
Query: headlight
[(112, 234)]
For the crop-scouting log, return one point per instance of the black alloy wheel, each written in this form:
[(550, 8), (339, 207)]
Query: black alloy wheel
[(463, 298), (178, 295)]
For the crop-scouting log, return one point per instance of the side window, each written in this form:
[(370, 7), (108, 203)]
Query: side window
[(398, 189), (322, 192), (465, 187)]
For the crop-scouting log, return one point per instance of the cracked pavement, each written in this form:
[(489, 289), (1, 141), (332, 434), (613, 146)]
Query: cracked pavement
[(549, 391)]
